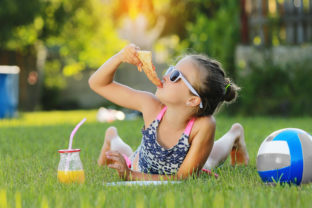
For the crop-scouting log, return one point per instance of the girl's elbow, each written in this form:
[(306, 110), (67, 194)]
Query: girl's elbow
[(91, 84)]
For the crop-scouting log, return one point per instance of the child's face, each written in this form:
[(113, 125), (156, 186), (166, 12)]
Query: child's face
[(177, 92)]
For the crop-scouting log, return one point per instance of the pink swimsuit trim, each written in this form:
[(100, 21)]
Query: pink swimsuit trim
[(160, 115), (128, 161), (189, 126)]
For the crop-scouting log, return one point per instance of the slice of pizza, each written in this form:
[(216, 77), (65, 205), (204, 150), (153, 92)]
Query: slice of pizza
[(146, 59)]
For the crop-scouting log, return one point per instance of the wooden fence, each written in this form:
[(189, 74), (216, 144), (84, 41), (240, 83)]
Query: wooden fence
[(276, 22)]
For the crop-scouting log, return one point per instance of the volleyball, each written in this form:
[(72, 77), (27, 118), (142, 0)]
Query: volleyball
[(286, 156)]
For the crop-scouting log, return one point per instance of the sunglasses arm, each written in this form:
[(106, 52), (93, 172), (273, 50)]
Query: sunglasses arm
[(192, 90)]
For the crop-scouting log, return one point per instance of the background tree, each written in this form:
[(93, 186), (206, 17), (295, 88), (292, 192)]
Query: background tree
[(60, 38)]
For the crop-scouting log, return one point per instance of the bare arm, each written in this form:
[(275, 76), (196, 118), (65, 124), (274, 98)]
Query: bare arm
[(102, 82), (105, 74), (200, 149), (119, 164)]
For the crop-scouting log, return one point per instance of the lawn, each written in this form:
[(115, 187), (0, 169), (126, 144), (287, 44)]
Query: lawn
[(29, 160)]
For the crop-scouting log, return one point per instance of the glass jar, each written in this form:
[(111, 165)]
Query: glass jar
[(70, 168)]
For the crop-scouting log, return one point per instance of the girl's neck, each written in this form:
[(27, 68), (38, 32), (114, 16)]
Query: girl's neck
[(177, 118)]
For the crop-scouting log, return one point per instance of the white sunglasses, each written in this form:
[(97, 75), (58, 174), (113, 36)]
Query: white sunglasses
[(175, 75)]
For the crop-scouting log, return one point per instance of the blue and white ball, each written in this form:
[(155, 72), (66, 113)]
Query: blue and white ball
[(286, 156)]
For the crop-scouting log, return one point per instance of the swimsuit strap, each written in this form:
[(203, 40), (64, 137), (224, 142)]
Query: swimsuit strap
[(161, 114), (189, 126)]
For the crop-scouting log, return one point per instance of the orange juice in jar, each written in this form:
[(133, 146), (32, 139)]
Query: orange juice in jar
[(70, 168)]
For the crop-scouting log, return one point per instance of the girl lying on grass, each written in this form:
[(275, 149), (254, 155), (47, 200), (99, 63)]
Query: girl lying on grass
[(179, 127)]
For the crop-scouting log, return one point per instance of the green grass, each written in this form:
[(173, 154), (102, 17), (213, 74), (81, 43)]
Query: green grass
[(29, 160)]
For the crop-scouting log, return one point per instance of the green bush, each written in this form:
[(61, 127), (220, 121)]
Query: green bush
[(215, 31), (275, 90)]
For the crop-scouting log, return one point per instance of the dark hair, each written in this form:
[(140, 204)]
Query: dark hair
[(215, 87)]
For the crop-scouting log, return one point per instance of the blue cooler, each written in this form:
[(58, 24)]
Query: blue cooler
[(8, 90)]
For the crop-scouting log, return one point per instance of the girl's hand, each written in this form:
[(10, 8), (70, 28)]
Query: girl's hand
[(129, 55), (118, 163)]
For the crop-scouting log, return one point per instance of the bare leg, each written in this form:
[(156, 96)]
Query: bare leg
[(232, 143), (113, 142)]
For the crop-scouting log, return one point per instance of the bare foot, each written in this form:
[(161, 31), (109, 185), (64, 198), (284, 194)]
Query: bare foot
[(110, 133), (239, 154)]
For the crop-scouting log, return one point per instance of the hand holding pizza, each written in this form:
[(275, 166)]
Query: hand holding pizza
[(129, 54), (142, 59)]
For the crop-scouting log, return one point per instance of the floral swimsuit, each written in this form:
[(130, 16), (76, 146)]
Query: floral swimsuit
[(154, 158)]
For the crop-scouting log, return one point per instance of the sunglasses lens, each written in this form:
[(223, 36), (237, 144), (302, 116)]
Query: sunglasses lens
[(174, 76)]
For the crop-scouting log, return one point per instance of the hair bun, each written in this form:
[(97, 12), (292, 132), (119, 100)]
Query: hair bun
[(230, 91)]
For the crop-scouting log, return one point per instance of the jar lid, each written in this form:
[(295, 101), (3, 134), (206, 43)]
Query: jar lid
[(69, 150)]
